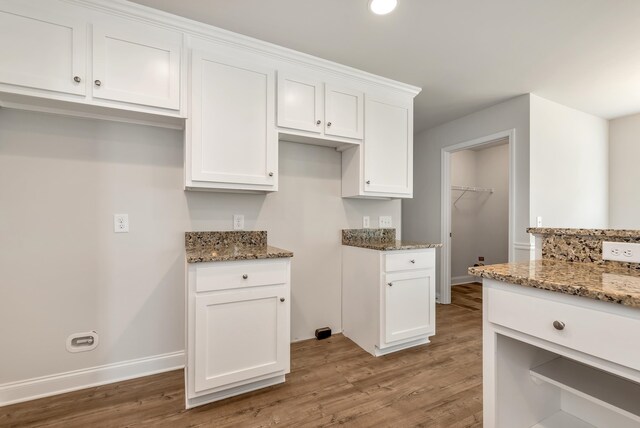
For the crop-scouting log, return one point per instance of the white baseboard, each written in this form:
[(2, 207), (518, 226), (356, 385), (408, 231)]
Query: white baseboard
[(302, 339), (465, 279), (45, 386)]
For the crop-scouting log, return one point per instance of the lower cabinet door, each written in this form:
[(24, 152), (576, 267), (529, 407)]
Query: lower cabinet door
[(409, 305), (240, 336)]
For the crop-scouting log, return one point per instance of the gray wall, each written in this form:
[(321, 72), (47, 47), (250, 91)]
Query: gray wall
[(421, 215), (624, 174), (569, 166), (65, 271)]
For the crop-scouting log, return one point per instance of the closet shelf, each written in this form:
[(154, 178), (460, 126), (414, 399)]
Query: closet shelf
[(466, 189)]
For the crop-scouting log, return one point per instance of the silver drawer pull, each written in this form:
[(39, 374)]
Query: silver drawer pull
[(245, 276), (558, 325), (412, 261)]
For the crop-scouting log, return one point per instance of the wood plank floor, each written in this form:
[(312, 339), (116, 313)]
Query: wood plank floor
[(332, 382)]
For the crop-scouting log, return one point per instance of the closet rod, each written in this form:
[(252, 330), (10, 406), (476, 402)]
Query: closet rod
[(466, 189)]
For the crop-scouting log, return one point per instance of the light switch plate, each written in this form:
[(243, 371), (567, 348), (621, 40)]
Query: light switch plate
[(384, 221), (621, 252)]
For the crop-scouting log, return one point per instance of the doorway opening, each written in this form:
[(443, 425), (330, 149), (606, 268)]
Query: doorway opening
[(477, 207)]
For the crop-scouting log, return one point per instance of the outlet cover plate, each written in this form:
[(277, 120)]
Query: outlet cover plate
[(621, 251), (238, 222), (366, 223), (384, 221), (121, 223)]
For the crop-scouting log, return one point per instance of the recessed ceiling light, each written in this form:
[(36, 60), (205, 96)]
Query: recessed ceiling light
[(382, 7)]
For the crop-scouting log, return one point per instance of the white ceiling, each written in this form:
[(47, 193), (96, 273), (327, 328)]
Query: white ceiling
[(465, 54)]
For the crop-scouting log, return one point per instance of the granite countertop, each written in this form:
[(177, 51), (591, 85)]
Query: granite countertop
[(592, 233), (394, 245), (234, 252), (381, 240), (230, 245), (608, 283)]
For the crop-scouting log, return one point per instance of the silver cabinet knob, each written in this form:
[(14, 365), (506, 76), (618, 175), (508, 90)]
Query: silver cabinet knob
[(412, 261), (77, 79), (98, 83), (328, 123), (558, 325), (271, 174), (245, 276), (282, 299), (368, 181), (318, 122), (390, 284)]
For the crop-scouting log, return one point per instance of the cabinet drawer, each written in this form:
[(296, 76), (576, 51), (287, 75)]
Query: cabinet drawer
[(405, 260), (240, 274), (602, 334)]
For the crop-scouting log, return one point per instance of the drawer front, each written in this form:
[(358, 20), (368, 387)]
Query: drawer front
[(601, 334), (241, 274), (408, 260)]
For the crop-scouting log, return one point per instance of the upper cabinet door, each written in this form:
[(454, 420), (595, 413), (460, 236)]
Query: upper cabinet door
[(136, 63), (344, 112), (232, 136), (388, 147), (299, 103), (41, 49)]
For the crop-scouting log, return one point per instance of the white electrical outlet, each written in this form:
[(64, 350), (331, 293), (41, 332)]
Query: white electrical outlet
[(238, 222), (121, 223), (384, 221), (539, 221), (366, 223), (621, 252)]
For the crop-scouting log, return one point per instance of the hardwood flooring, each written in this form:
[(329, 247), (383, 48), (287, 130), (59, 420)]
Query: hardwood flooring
[(332, 382)]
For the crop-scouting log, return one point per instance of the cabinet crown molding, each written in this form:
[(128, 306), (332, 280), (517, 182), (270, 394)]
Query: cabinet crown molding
[(199, 29)]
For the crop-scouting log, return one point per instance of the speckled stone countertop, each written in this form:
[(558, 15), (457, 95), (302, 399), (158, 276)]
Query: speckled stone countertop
[(381, 240), (595, 233), (600, 282), (230, 245)]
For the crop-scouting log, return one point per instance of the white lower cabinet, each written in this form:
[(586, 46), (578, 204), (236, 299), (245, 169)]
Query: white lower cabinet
[(553, 360), (385, 309), (238, 335), (408, 311)]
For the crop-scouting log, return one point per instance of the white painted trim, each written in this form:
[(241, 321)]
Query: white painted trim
[(45, 386), (163, 19), (465, 279), (526, 247), (445, 201)]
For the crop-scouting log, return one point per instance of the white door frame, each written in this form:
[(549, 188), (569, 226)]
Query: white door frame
[(445, 226)]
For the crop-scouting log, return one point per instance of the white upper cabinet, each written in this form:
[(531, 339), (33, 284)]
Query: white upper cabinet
[(382, 167), (136, 63), (344, 112), (388, 147), (315, 107), (126, 62), (42, 49), (299, 103), (232, 141)]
